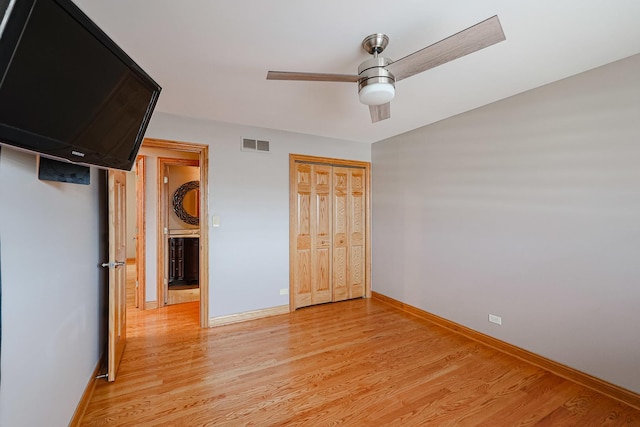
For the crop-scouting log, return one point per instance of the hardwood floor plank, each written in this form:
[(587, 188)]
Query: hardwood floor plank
[(358, 362)]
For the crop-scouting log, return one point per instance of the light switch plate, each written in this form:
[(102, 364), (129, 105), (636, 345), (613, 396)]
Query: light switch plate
[(495, 319)]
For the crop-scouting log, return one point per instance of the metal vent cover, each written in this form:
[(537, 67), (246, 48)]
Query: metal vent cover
[(248, 144), (262, 146), (256, 145)]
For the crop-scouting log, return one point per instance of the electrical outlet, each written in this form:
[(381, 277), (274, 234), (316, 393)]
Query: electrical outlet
[(495, 319), (284, 291)]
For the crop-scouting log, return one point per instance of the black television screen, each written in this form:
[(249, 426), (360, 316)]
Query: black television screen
[(67, 91)]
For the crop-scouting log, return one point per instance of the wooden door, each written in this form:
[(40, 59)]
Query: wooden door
[(329, 231), (348, 233), (312, 265), (140, 232), (117, 272)]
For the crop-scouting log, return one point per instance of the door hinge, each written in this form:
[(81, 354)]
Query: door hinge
[(166, 230), (166, 180)]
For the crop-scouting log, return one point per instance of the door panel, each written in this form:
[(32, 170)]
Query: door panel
[(312, 271), (321, 227), (357, 233), (302, 274), (322, 290), (117, 272), (340, 271), (303, 240), (340, 234)]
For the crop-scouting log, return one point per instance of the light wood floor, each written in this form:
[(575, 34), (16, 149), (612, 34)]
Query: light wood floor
[(358, 362), (174, 296)]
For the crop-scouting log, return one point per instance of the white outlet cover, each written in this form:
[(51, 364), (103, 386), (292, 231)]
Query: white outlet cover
[(495, 319), (284, 291)]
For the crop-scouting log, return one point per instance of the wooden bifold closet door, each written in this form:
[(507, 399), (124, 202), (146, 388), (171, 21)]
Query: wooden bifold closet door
[(329, 232)]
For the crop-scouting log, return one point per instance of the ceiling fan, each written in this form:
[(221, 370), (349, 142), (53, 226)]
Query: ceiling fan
[(377, 76)]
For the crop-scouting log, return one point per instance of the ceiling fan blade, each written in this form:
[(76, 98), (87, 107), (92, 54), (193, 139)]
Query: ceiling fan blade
[(380, 112), (479, 36), (311, 77)]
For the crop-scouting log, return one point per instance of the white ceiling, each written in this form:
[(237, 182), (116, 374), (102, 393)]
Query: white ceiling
[(211, 56)]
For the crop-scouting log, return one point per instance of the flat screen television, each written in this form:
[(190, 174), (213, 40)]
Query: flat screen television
[(67, 91)]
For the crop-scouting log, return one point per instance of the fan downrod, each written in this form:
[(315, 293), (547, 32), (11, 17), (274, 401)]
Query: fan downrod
[(375, 43)]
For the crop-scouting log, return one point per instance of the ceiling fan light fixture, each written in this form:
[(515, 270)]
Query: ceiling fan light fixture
[(377, 93), (376, 85)]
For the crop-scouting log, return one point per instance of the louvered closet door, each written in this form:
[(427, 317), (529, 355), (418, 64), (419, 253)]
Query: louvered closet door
[(312, 271), (329, 234)]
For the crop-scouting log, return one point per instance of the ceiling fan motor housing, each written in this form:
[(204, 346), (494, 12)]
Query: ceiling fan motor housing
[(376, 85)]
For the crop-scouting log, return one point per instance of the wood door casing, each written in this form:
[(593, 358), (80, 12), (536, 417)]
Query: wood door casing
[(329, 240)]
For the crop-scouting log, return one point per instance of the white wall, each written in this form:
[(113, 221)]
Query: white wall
[(528, 208), (50, 295), (249, 252)]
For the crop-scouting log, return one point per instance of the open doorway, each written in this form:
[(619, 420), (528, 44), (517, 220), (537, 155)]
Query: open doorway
[(180, 211), (152, 231)]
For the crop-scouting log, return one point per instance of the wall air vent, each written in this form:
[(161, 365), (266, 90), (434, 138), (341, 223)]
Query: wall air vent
[(256, 145), (262, 146)]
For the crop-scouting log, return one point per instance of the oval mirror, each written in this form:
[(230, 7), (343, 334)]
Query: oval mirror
[(186, 202)]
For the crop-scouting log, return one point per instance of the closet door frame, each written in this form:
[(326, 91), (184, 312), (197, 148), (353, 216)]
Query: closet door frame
[(327, 161)]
